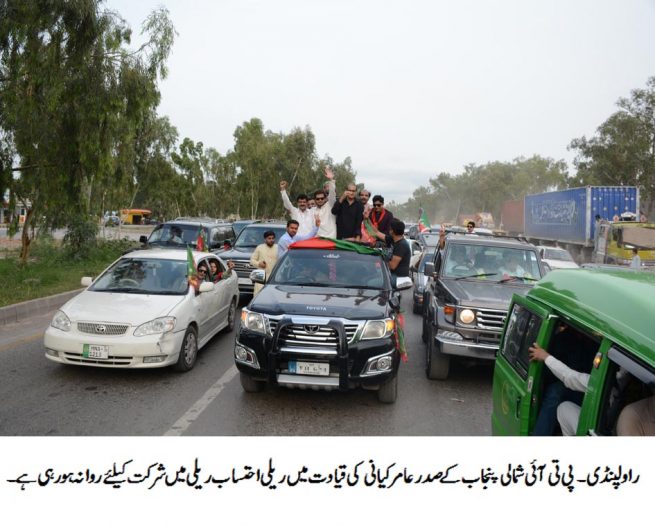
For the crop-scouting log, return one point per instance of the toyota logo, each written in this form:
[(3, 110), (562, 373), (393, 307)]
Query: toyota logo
[(311, 328), (101, 328)]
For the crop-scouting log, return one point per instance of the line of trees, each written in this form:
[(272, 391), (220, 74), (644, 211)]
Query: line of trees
[(621, 152)]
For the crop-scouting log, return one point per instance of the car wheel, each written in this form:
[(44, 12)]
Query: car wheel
[(249, 384), (417, 309), (388, 392), (231, 316), (437, 365), (188, 351)]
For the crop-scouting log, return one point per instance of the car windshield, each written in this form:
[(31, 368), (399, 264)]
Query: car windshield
[(557, 255), (426, 258), (252, 237), (144, 276), (175, 235), (240, 225), (331, 268), (491, 262), (430, 239)]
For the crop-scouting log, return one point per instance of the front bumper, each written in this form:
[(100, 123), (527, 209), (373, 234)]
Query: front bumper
[(125, 351), (464, 348), (349, 363)]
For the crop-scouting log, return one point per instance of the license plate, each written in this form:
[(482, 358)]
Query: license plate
[(95, 351), (244, 280), (309, 369)]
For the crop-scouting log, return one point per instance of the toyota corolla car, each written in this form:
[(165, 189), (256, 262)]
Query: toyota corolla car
[(142, 313)]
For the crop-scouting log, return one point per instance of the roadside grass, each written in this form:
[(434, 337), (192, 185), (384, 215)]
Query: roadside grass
[(51, 270)]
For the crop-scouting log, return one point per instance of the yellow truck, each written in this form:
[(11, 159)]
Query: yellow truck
[(615, 240)]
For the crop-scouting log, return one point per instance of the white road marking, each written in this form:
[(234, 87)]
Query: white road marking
[(182, 424)]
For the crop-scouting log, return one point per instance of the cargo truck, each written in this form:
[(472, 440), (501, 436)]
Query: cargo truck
[(588, 222)]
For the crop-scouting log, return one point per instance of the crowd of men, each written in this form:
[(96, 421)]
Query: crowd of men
[(352, 217)]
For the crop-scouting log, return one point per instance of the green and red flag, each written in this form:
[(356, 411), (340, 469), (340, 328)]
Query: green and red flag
[(370, 231), (190, 264), (423, 222), (399, 337), (201, 242), (325, 243)]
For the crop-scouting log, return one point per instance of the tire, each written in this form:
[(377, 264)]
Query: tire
[(188, 351), (437, 365), (417, 309), (249, 384), (231, 316), (388, 392)]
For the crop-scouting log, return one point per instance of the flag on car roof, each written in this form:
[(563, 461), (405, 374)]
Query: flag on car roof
[(325, 243), (423, 222), (190, 264)]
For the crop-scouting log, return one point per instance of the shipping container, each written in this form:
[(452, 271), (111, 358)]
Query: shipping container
[(569, 216), (511, 217)]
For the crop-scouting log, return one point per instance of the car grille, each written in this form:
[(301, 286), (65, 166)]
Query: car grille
[(308, 335), (296, 334), (243, 268), (490, 319), (112, 360), (102, 328)]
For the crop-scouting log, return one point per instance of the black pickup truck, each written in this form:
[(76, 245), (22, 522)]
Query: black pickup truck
[(326, 320)]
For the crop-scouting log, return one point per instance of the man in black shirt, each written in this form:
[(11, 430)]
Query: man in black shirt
[(400, 255), (349, 213)]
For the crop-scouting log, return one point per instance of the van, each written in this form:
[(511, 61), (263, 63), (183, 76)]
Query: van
[(608, 317)]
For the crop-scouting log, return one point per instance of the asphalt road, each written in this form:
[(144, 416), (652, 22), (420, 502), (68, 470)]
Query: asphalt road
[(42, 398)]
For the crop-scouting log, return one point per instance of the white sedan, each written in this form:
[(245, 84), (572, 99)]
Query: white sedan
[(141, 312), (556, 257)]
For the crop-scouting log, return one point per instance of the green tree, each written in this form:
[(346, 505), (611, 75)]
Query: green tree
[(623, 149), (72, 96)]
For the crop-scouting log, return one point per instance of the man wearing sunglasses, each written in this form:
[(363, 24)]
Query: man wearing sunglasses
[(380, 217)]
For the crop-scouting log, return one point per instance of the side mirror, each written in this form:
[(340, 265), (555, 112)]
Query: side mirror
[(394, 301), (86, 281), (206, 287), (546, 266), (403, 283), (227, 244), (143, 239), (429, 269), (258, 276)]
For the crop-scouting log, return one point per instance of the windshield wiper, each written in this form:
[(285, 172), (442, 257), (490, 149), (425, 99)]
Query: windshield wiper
[(474, 275), (120, 290), (246, 246), (515, 277)]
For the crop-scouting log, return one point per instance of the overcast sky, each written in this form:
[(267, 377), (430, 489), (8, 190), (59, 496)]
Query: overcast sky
[(409, 88)]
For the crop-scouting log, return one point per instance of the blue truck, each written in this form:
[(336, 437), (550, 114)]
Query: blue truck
[(588, 222)]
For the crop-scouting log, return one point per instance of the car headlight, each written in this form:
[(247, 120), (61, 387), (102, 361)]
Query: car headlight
[(253, 321), (61, 321), (467, 316), (156, 326), (378, 329)]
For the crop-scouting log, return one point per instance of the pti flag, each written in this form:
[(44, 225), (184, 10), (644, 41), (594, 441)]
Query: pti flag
[(201, 242), (190, 264), (423, 222)]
